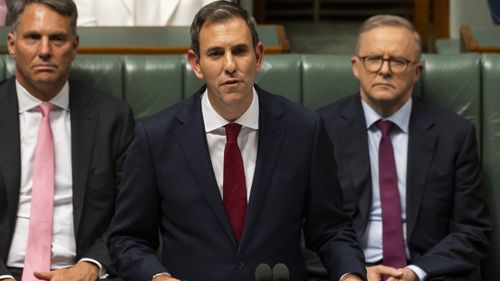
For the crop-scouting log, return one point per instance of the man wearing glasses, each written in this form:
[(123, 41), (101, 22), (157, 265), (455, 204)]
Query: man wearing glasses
[(409, 171)]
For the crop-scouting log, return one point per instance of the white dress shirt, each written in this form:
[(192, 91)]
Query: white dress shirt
[(371, 242), (247, 139), (63, 236)]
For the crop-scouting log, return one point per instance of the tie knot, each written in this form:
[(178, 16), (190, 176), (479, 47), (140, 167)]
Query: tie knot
[(385, 126), (232, 131), (46, 108)]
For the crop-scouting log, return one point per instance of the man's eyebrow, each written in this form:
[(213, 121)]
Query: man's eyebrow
[(215, 48), (30, 33), (240, 46)]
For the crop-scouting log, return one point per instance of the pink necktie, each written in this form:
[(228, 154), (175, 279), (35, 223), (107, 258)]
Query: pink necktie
[(234, 186), (392, 225), (38, 250)]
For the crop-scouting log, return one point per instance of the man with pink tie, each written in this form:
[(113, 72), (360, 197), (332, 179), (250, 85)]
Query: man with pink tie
[(61, 151)]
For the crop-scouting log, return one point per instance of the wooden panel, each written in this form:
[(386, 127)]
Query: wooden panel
[(421, 20), (482, 39), (441, 18), (155, 40)]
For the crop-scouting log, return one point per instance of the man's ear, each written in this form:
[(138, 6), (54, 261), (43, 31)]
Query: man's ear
[(11, 42), (355, 63), (418, 71), (195, 63), (76, 43), (259, 55)]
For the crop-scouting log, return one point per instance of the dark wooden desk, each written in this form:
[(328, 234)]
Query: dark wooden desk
[(483, 39), (154, 40)]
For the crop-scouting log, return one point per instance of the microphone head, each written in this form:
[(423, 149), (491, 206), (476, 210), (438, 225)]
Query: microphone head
[(263, 273), (280, 272)]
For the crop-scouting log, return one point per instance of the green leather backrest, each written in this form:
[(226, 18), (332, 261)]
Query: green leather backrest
[(491, 155), (152, 83), (281, 74), (9, 66), (454, 82), (326, 78), (103, 72)]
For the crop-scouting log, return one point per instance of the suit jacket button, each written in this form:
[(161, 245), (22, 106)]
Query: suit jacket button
[(241, 265)]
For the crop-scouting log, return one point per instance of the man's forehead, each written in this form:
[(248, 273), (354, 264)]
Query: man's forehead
[(398, 38), (31, 20), (225, 33)]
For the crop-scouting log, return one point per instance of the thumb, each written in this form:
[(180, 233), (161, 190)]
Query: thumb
[(47, 275)]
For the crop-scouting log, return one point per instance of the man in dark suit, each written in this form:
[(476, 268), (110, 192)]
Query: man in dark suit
[(414, 191), (85, 135), (224, 207)]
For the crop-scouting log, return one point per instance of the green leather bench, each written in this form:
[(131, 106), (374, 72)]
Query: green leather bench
[(468, 84)]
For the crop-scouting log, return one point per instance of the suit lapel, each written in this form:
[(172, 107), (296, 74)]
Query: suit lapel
[(421, 146), (83, 127), (10, 148), (271, 135), (193, 143), (354, 141)]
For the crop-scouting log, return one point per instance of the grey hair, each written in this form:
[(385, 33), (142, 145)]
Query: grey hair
[(389, 20), (63, 7)]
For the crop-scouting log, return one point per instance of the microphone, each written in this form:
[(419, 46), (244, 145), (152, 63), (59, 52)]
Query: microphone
[(280, 272), (263, 273)]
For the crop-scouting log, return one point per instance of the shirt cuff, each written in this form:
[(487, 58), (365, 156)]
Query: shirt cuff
[(161, 274), (348, 273), (421, 274), (6, 277), (102, 271)]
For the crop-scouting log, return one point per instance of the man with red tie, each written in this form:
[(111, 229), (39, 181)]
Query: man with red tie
[(61, 148), (231, 175), (409, 171)]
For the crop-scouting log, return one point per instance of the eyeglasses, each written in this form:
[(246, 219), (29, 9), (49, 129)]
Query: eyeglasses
[(396, 65)]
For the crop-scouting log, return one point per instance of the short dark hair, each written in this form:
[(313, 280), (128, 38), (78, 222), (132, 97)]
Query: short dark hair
[(216, 12), (63, 7)]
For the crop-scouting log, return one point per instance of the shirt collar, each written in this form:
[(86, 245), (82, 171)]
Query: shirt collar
[(214, 121), (401, 117), (27, 101)]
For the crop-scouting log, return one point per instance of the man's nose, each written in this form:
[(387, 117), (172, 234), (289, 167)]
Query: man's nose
[(385, 68), (229, 64), (45, 50)]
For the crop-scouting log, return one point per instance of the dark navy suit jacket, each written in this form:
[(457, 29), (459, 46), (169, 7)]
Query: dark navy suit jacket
[(169, 185), (447, 222)]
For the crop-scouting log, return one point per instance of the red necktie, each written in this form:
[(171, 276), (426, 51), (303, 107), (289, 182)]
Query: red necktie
[(392, 225), (38, 249), (234, 187)]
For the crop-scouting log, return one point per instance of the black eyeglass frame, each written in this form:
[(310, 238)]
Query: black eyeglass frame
[(404, 62)]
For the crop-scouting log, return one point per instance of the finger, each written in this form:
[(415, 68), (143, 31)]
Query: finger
[(391, 271), (47, 275)]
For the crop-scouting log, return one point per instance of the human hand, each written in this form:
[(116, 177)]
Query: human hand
[(408, 275), (82, 271), (377, 272)]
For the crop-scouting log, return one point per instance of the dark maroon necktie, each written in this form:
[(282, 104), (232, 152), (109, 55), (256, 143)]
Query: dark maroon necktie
[(234, 187), (392, 225)]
